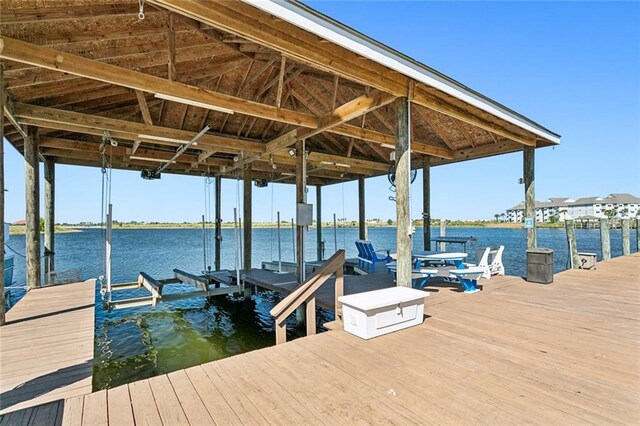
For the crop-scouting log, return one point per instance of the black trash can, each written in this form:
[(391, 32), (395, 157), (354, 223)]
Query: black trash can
[(540, 265)]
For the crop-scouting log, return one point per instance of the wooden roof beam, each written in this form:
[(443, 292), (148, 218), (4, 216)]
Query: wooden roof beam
[(144, 108), (8, 111), (343, 113), (122, 129), (257, 26), (20, 51), (423, 96)]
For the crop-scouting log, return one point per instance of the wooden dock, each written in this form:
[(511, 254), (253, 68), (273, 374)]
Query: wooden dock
[(516, 352), (46, 350), (286, 283)]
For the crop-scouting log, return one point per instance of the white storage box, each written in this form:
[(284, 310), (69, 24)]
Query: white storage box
[(379, 312)]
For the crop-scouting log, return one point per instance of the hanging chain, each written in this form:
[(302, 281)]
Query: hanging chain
[(141, 12)]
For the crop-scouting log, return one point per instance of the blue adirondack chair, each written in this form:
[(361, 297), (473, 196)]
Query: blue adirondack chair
[(368, 257)]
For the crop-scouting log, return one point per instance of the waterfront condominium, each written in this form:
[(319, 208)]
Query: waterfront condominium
[(561, 208)]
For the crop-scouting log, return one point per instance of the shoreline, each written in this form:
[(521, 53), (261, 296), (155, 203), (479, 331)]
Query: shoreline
[(326, 225)]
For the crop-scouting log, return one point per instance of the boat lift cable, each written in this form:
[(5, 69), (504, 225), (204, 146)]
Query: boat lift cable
[(105, 209), (272, 230), (344, 229), (181, 150)]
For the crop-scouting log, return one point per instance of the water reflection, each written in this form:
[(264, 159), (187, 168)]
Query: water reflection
[(132, 345)]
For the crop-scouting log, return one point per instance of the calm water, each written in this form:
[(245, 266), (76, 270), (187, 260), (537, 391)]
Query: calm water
[(137, 343)]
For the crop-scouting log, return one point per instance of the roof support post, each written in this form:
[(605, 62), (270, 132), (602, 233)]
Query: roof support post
[(218, 231), (49, 215), (426, 203), (362, 222), (301, 197), (530, 193), (32, 192), (2, 103), (403, 169), (247, 204), (319, 243)]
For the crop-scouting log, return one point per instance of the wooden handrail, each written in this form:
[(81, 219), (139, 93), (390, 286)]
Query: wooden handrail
[(306, 293)]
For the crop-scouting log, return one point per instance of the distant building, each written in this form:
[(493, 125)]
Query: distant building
[(560, 209)]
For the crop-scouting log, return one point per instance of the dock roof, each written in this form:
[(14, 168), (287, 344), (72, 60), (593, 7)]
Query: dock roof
[(263, 74)]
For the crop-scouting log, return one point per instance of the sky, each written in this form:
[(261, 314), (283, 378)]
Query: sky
[(573, 67)]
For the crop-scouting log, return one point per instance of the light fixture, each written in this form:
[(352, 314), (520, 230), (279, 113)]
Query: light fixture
[(292, 152), (162, 139), (329, 163), (155, 160), (193, 103)]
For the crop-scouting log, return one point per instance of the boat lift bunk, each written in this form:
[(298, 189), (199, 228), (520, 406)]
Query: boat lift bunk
[(207, 285)]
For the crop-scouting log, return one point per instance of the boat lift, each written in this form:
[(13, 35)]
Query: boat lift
[(207, 285)]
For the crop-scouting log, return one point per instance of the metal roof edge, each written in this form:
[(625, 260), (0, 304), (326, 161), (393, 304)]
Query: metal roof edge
[(323, 26)]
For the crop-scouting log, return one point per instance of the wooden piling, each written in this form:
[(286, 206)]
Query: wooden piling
[(32, 191), (530, 193), (443, 232), (626, 238), (218, 231), (2, 283), (638, 234), (301, 197), (403, 214), (49, 216), (247, 204), (570, 227), (301, 184), (362, 221), (319, 221), (426, 203), (605, 240)]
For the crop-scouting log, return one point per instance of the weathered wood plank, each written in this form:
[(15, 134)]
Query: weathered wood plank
[(47, 346), (119, 404), (95, 409), (145, 411)]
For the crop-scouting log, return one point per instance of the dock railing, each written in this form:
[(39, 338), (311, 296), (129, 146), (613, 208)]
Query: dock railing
[(306, 293)]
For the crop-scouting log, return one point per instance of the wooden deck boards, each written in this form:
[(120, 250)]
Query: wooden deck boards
[(286, 284), (516, 353), (46, 349)]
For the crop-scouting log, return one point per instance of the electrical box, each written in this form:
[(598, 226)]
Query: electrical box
[(540, 265), (588, 260), (304, 214)]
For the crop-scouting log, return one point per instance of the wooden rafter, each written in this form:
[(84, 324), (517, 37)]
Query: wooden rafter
[(464, 133), (426, 97), (171, 47), (48, 58), (8, 111), (255, 25), (94, 125), (283, 64), (144, 108), (436, 129)]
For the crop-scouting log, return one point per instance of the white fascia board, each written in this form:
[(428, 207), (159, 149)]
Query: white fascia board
[(315, 23)]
